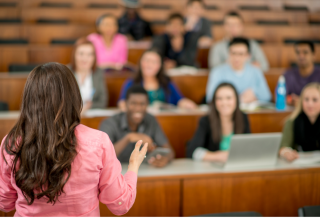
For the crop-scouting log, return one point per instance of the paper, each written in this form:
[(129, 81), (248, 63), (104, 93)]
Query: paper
[(100, 113), (308, 158)]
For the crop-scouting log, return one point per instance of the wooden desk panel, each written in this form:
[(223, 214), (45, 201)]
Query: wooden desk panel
[(269, 193), (154, 198)]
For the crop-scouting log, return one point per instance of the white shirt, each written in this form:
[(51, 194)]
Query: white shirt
[(86, 88)]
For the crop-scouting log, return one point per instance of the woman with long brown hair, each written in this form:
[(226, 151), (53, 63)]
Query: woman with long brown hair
[(212, 139), (152, 77), (51, 165)]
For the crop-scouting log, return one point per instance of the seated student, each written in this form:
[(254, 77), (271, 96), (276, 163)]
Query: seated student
[(126, 128), (196, 23), (131, 24), (111, 47), (306, 71), (90, 79), (248, 80), (233, 26), (302, 130), (176, 45), (212, 139), (158, 85)]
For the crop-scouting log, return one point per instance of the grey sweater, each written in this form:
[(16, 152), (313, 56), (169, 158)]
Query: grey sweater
[(219, 53)]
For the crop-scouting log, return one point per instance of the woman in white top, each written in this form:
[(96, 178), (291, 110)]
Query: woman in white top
[(91, 80)]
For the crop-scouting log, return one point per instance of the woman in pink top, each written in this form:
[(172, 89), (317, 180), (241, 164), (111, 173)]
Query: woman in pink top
[(111, 47), (51, 165)]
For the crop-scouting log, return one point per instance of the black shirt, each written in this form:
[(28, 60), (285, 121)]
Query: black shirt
[(203, 136), (187, 56), (306, 135), (137, 28)]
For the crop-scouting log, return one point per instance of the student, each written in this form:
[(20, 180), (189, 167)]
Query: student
[(248, 80), (196, 23), (131, 24), (302, 130), (177, 46), (159, 87), (212, 139), (126, 128), (111, 47), (90, 79), (233, 26), (51, 165), (306, 71)]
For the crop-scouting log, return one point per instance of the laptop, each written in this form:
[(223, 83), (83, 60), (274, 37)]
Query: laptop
[(253, 150)]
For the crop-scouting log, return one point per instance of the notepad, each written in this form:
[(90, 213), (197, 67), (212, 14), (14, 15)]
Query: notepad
[(308, 158)]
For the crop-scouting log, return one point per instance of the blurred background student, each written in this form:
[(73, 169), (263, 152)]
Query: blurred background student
[(90, 79), (211, 140), (152, 77), (126, 128), (196, 23), (111, 46), (305, 72), (234, 27), (248, 80), (302, 130), (176, 45), (131, 23), (51, 165)]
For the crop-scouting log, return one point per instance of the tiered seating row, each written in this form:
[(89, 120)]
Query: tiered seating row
[(311, 5), (279, 56)]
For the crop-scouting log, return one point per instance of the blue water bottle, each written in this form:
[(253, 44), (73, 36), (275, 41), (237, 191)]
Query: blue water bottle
[(281, 94)]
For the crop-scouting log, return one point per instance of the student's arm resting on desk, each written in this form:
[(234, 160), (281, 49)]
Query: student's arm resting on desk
[(8, 195), (287, 142), (178, 99), (118, 192)]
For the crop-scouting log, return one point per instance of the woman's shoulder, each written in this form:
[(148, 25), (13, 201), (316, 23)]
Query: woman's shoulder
[(121, 37), (93, 37), (89, 135)]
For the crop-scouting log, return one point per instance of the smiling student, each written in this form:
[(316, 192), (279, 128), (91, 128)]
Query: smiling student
[(212, 139), (126, 128), (302, 130)]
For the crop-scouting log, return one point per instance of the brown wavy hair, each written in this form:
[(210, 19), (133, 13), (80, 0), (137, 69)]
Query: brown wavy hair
[(42, 144), (214, 117)]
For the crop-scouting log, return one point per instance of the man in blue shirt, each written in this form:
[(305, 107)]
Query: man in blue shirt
[(246, 78)]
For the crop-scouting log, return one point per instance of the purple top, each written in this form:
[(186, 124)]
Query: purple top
[(295, 82)]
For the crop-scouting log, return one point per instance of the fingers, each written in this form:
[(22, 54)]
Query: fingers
[(144, 149), (138, 144)]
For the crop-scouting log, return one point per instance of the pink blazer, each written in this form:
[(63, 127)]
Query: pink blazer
[(95, 176)]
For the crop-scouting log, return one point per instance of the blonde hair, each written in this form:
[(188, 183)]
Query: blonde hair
[(298, 108)]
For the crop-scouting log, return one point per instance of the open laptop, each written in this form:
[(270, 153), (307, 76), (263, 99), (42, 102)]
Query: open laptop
[(253, 150)]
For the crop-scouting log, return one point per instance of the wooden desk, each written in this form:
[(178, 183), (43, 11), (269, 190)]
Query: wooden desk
[(190, 188), (171, 122)]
